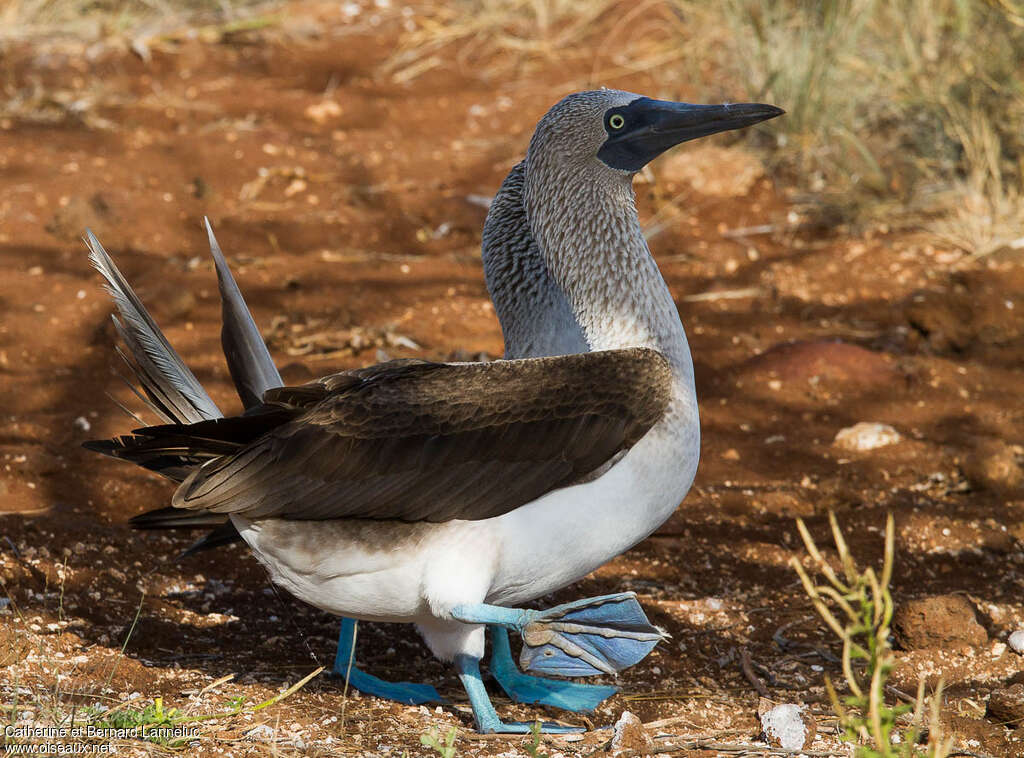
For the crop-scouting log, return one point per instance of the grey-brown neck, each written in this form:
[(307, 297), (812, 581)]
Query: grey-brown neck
[(535, 317), (583, 218)]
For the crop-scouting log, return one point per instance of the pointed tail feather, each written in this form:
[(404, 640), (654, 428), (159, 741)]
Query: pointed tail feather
[(222, 532), (172, 390), (176, 518), (169, 388), (252, 369)]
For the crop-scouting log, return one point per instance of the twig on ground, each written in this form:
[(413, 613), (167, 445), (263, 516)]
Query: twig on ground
[(900, 694), (748, 671), (216, 684)]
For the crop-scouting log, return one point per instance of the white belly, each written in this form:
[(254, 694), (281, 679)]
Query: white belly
[(396, 571)]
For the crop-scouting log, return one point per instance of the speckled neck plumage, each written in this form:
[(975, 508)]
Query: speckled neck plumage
[(585, 223)]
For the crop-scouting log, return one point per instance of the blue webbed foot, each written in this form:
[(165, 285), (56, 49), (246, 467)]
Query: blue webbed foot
[(523, 688), (601, 635), (408, 693), (487, 721)]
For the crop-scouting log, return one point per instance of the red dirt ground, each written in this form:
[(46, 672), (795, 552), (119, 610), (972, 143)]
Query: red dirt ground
[(347, 205)]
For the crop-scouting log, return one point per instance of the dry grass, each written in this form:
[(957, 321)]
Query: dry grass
[(903, 110), (95, 19), (518, 30)]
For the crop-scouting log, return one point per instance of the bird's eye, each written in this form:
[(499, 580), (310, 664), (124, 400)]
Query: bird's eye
[(616, 121)]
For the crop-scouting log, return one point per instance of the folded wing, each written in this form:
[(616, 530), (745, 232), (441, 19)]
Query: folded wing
[(421, 441)]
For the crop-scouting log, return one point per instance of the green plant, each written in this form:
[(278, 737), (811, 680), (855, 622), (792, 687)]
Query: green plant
[(865, 606), (148, 720), (432, 739), (532, 747)]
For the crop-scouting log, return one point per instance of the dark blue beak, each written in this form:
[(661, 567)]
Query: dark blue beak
[(642, 130)]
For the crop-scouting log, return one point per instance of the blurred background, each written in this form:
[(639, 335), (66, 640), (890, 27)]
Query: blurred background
[(850, 276)]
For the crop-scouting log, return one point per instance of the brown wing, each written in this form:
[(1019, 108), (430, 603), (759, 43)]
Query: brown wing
[(434, 442)]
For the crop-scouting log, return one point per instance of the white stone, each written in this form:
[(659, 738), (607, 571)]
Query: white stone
[(1016, 641), (867, 435), (786, 724)]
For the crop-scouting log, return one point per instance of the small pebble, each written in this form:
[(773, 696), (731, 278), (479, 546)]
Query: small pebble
[(1016, 641), (82, 424), (866, 436)]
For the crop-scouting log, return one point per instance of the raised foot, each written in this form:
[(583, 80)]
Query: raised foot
[(601, 635), (523, 688)]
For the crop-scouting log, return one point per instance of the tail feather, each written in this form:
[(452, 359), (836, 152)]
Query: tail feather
[(171, 390), (252, 369), (222, 534), (176, 518), (174, 392)]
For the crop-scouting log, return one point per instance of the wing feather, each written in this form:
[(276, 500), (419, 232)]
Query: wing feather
[(421, 441)]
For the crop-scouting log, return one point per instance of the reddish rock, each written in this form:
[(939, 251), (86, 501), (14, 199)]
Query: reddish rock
[(835, 362), (945, 621)]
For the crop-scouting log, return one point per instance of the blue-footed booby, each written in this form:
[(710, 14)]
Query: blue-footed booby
[(448, 495)]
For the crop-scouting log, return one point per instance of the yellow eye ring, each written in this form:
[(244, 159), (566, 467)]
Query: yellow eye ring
[(616, 121)]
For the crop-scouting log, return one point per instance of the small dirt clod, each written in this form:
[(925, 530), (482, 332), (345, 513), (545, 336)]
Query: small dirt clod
[(629, 736), (992, 465)]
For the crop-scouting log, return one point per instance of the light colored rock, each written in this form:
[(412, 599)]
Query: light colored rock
[(788, 726), (867, 435), (629, 736), (1016, 641), (323, 111)]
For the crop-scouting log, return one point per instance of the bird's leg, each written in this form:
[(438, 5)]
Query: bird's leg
[(486, 717), (402, 692), (600, 635), (523, 688)]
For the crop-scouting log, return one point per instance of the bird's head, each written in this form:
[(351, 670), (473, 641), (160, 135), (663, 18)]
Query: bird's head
[(622, 132)]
